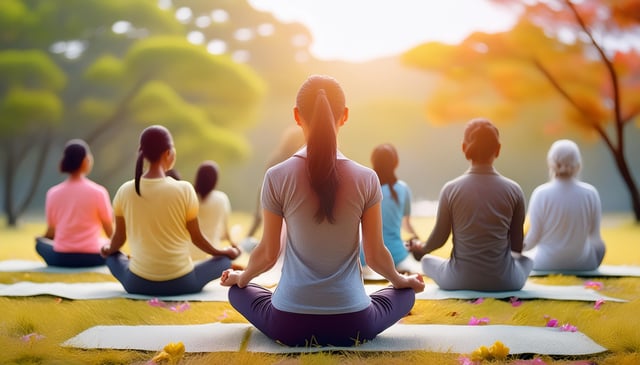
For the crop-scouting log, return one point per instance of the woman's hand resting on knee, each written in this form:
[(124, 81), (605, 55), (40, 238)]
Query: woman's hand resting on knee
[(415, 282), (231, 277)]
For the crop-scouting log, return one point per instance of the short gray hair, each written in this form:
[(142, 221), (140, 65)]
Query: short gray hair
[(564, 159)]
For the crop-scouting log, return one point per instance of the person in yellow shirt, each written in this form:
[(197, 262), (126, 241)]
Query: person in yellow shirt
[(158, 216)]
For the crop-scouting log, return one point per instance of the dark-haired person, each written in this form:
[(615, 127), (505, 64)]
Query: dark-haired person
[(158, 216), (396, 208), (323, 197), (215, 207), (484, 211), (564, 216), (78, 212)]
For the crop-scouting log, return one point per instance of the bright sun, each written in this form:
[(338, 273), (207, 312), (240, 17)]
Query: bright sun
[(360, 30)]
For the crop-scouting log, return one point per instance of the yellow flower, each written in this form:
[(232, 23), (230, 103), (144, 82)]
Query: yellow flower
[(499, 351), (480, 354), (172, 353)]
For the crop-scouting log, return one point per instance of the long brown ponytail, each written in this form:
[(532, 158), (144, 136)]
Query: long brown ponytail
[(321, 103)]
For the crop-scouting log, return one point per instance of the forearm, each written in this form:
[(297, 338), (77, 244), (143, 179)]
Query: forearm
[(382, 263), (261, 260), (117, 239)]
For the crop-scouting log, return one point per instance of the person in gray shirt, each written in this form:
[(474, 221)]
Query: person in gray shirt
[(324, 198), (484, 211)]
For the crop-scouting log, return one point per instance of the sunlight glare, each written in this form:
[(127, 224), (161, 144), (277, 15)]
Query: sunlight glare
[(219, 16), (217, 46), (359, 30), (184, 14), (196, 37)]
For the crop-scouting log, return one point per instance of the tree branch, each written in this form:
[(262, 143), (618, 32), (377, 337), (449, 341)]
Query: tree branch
[(38, 171), (120, 111), (556, 85), (612, 75)]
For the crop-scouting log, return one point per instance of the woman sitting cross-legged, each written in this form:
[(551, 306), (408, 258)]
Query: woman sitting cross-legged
[(323, 197), (158, 216), (79, 214), (564, 216), (484, 211)]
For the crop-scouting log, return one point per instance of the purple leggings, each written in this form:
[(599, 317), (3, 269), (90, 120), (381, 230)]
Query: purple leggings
[(387, 306)]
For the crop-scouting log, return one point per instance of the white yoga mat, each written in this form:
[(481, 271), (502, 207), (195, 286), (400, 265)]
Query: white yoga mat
[(196, 338), (529, 291), (602, 271), (39, 266), (214, 292), (400, 337), (269, 278)]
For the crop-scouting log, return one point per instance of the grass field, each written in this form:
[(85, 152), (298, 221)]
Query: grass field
[(32, 328)]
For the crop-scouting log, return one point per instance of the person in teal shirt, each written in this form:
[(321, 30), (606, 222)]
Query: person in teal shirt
[(396, 209)]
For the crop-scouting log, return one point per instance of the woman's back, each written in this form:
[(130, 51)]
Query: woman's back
[(565, 220), (320, 271), (77, 208), (156, 227), (393, 213), (483, 205)]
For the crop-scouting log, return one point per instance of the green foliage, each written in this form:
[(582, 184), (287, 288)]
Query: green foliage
[(30, 68), (64, 61), (23, 110), (106, 70)]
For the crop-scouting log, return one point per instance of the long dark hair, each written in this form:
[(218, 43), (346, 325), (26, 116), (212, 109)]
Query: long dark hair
[(154, 141), (206, 179), (384, 159), (74, 153), (321, 103)]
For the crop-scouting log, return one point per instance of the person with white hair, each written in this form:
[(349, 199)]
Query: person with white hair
[(564, 216)]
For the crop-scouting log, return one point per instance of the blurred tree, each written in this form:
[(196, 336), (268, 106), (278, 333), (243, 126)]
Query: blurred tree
[(577, 58), (102, 70), (277, 51)]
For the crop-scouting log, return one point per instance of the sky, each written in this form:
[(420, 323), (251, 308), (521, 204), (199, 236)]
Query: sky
[(362, 30)]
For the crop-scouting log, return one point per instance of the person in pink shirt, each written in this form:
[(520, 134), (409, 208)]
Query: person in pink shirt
[(78, 212)]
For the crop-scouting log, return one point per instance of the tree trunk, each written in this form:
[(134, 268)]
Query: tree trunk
[(9, 167), (623, 168)]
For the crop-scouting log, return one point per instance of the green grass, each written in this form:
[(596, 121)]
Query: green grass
[(614, 326)]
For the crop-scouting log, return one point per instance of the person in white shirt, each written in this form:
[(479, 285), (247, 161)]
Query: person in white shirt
[(215, 208), (564, 216)]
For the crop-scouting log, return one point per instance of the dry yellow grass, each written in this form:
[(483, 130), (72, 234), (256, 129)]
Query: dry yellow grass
[(614, 325)]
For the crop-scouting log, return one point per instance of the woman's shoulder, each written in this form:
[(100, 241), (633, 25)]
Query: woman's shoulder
[(94, 185), (586, 186)]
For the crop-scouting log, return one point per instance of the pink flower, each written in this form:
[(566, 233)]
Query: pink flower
[(552, 322), (515, 302), (155, 302), (180, 307), (32, 337), (595, 285), (464, 360), (478, 301), (568, 328), (598, 304), (478, 321), (224, 315)]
